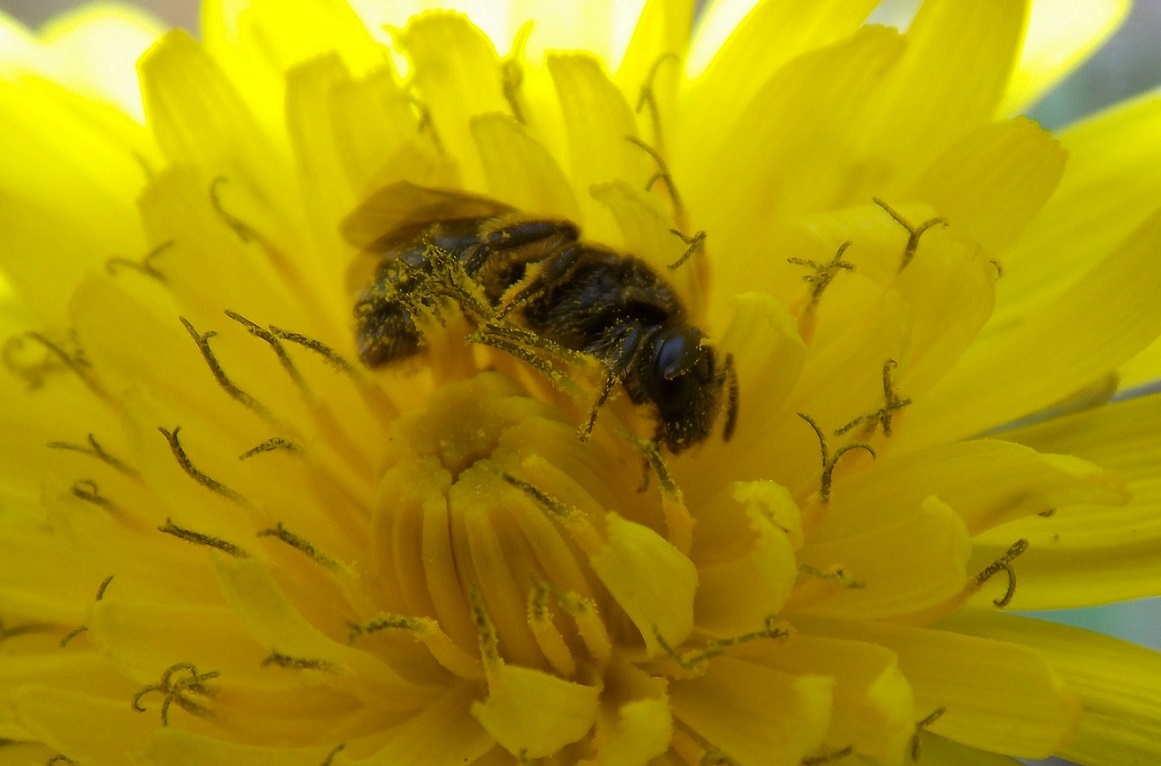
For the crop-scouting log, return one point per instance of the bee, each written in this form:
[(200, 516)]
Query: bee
[(611, 307)]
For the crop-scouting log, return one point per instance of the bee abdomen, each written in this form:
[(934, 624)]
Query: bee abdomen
[(386, 332)]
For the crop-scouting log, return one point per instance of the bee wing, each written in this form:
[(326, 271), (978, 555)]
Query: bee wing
[(402, 210)]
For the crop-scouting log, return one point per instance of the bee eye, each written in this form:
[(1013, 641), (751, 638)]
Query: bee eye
[(678, 352)]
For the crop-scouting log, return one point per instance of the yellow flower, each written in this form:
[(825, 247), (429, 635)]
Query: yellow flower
[(226, 541)]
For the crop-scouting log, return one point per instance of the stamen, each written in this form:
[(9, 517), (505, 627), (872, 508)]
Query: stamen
[(716, 757), (183, 460), (830, 461), (587, 616), (882, 416), (103, 587), (920, 727), (542, 498), (283, 358), (235, 393), (664, 176), (176, 691), (824, 273), (272, 444), (694, 245), (427, 632), (240, 227), (59, 759), (512, 72), (772, 628), (22, 630), (1048, 514), (545, 632), (836, 756), (34, 374), (836, 575), (144, 266), (331, 755), (648, 98), (97, 451), (68, 637), (301, 545), (425, 124), (296, 663), (86, 489), (317, 346), (913, 232), (489, 640), (197, 538), (1003, 564), (83, 628), (386, 622)]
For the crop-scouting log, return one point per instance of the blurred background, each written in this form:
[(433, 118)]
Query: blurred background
[(1128, 65)]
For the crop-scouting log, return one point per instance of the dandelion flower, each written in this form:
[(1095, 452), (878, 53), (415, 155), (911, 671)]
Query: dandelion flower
[(227, 541)]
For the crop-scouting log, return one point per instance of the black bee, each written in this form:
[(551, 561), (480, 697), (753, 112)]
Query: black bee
[(611, 307)]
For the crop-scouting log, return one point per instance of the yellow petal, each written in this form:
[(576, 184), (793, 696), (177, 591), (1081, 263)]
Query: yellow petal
[(535, 714), (101, 728), (1062, 34), (987, 482), (457, 76), (662, 32), (443, 732), (740, 540), (326, 191), (874, 708), (649, 579), (743, 42), (997, 696), (937, 751), (373, 122), (917, 559), (1118, 684), (1110, 314), (520, 171), (754, 715), (597, 119), (171, 746), (1102, 198), (763, 338), (762, 166), (272, 620), (198, 116), (950, 80), (635, 723), (993, 181), (256, 41), (647, 233), (603, 27), (292, 32), (90, 153), (1090, 554)]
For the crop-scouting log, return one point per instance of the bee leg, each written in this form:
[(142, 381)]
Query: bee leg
[(553, 269), (627, 341), (731, 379), (517, 235)]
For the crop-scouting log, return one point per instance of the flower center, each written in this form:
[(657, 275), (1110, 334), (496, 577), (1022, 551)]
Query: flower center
[(459, 534)]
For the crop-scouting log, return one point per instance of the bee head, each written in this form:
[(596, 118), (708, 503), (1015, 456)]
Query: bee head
[(683, 381)]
